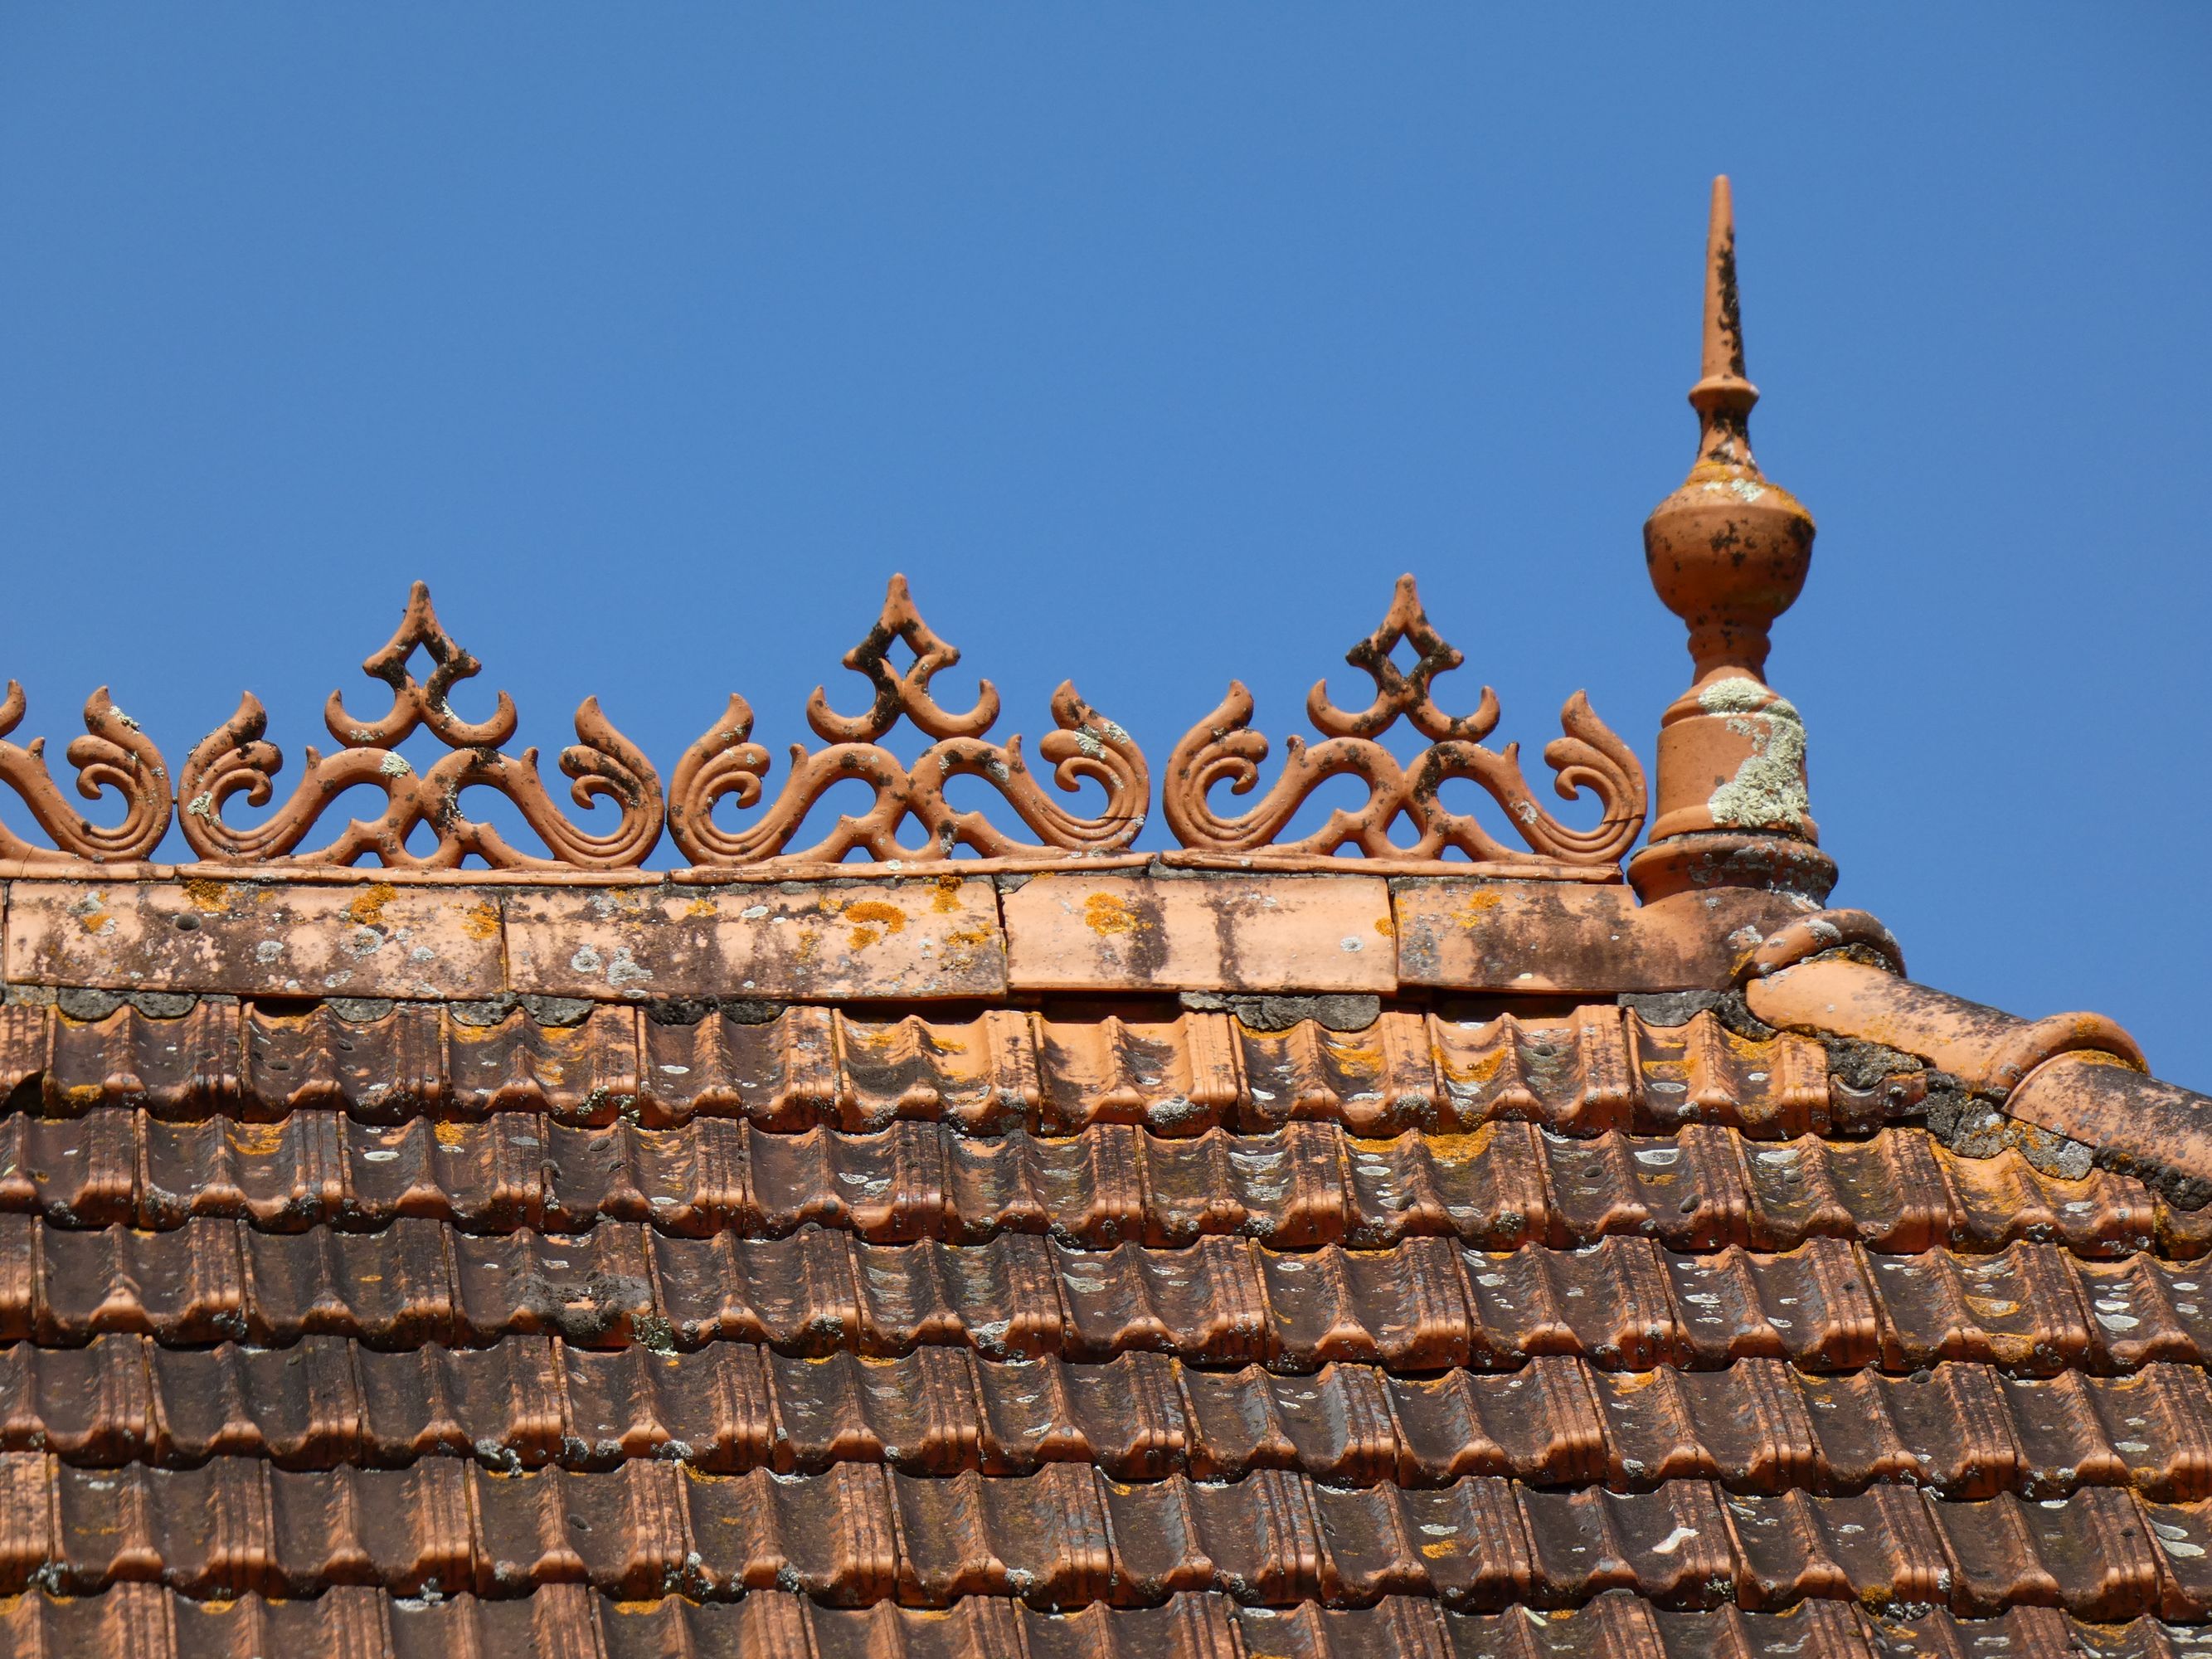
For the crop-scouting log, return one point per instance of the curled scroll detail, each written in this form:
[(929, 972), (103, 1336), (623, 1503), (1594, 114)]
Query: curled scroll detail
[(1084, 747), (113, 754), (602, 765), (1223, 748)]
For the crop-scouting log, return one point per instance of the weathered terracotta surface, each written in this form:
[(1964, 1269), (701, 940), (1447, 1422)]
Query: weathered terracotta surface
[(114, 754), (930, 938), (1222, 748), (1538, 936), (376, 940), (1981, 1046), (1084, 747), (236, 760), (924, 937), (1855, 930), (147, 1621), (2134, 1123), (1710, 860), (1202, 933)]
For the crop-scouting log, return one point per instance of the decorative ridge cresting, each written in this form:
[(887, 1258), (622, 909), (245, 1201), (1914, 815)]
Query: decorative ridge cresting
[(1223, 748), (1084, 747), (234, 759)]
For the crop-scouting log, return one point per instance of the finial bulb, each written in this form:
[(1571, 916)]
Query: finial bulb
[(1729, 551)]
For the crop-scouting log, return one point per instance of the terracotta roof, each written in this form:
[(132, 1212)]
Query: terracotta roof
[(1340, 1235)]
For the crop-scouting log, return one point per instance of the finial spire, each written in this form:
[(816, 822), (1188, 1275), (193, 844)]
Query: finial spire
[(1723, 397), (1724, 316), (1729, 552)]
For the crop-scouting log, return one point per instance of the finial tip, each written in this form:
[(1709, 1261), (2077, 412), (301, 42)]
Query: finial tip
[(1723, 355)]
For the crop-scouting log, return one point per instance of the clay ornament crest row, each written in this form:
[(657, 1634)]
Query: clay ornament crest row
[(605, 768)]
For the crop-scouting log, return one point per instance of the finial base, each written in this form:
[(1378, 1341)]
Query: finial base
[(1715, 859), (1732, 759)]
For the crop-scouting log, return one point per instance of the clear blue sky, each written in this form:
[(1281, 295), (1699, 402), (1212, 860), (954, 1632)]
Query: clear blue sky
[(1152, 342)]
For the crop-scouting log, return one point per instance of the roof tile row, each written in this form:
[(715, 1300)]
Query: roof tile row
[(1178, 1072), (1067, 1537), (1421, 1305), (1304, 1184), (1762, 1427), (568, 1621)]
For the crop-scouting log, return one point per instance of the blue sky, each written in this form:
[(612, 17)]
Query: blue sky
[(1151, 343)]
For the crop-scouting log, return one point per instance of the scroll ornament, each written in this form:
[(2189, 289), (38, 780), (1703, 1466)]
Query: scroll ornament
[(1085, 748), (1223, 748), (603, 765), (113, 754)]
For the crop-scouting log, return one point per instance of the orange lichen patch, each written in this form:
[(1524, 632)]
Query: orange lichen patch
[(889, 915), (210, 896), (700, 909), (864, 937), (258, 1139), (1107, 912), (1477, 905), (1386, 927), (964, 947), (1454, 1149), (450, 1134), (481, 919), (367, 906), (947, 896), (1481, 1068)]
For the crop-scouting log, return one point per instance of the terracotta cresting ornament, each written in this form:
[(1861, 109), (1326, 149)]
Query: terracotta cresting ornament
[(113, 754), (1223, 748), (1086, 746), (1729, 552), (234, 760)]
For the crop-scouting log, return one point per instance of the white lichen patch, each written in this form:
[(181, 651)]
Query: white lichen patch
[(625, 969), (1768, 789), (394, 766), (1738, 695)]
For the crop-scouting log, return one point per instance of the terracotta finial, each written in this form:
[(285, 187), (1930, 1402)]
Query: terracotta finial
[(1728, 553)]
